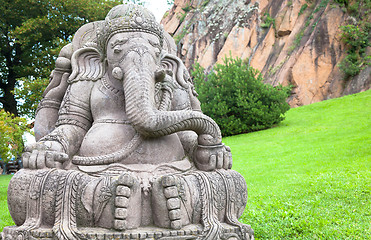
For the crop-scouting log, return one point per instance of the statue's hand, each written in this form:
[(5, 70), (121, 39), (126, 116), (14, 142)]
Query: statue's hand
[(44, 155), (208, 158), (57, 87)]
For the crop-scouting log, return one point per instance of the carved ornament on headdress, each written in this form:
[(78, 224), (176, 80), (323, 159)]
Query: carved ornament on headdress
[(127, 18)]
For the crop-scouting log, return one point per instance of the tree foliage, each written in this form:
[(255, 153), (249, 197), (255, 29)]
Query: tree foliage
[(30, 94), (11, 131), (235, 96), (31, 34)]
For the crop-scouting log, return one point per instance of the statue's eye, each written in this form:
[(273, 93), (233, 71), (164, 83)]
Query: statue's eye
[(154, 44), (117, 49), (119, 42)]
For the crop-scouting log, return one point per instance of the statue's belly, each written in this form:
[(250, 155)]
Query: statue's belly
[(157, 150), (108, 138), (104, 138)]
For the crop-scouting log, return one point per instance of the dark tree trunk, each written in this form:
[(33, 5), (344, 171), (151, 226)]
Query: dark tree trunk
[(8, 100), (12, 61)]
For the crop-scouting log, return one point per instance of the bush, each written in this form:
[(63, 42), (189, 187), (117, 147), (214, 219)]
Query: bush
[(357, 40), (11, 130), (350, 65), (235, 96), (268, 21), (302, 9), (346, 2)]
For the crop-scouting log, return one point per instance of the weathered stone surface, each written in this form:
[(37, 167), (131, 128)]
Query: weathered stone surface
[(233, 27), (121, 213), (173, 203), (171, 192), (121, 202), (174, 215), (126, 152), (123, 191)]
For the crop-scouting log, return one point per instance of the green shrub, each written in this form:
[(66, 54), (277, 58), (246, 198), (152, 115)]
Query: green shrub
[(351, 65), (357, 39), (268, 21), (346, 2), (302, 9), (235, 96), (187, 8), (355, 36)]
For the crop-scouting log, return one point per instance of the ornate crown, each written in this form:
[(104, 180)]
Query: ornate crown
[(127, 18)]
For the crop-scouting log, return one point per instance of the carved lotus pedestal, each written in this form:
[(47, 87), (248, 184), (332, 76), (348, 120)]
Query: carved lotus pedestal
[(60, 204)]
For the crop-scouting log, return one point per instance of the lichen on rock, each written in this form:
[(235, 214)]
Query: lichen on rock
[(302, 46)]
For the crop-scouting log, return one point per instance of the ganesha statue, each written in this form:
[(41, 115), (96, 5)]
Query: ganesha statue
[(123, 149)]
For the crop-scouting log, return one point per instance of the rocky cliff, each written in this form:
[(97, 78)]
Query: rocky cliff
[(291, 42)]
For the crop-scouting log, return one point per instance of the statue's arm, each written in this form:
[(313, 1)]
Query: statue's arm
[(64, 141), (207, 151), (205, 157), (47, 110), (189, 138)]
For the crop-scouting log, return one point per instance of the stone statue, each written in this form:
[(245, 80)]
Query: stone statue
[(123, 150)]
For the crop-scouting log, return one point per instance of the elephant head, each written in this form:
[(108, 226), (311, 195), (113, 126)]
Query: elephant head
[(129, 50)]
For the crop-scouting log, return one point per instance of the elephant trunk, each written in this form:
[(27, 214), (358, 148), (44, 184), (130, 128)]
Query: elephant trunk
[(139, 89)]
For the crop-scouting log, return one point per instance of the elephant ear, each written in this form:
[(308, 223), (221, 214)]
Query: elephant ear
[(180, 72), (86, 65), (181, 78)]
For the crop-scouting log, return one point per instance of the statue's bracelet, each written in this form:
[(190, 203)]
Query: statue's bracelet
[(203, 153), (211, 146)]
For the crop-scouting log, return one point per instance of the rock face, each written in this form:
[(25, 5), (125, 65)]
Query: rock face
[(291, 42)]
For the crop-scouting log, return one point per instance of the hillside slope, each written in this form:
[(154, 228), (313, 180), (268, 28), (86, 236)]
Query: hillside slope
[(310, 177), (291, 42), (307, 178)]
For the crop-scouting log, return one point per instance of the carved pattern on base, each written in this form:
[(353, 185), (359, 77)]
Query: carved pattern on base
[(217, 188), (173, 200), (65, 226), (212, 227), (187, 233), (123, 193)]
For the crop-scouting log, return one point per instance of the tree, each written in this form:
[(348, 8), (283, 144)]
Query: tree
[(235, 96), (31, 34), (11, 131)]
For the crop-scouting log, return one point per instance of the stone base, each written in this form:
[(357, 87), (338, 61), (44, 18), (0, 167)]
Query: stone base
[(193, 231)]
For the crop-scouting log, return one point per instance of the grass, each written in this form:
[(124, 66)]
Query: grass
[(308, 178), (5, 218)]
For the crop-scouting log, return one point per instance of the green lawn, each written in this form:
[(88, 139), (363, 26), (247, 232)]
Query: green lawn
[(308, 178), (5, 219)]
